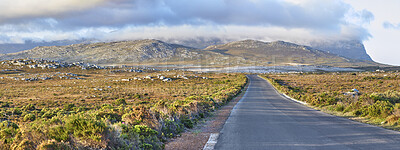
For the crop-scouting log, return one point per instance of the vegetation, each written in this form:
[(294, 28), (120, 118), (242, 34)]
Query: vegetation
[(377, 100), (104, 110)]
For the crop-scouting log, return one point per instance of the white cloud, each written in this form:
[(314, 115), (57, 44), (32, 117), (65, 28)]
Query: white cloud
[(297, 21), (389, 25), (19, 9)]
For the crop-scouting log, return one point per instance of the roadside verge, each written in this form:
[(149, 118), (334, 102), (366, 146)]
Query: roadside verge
[(198, 137)]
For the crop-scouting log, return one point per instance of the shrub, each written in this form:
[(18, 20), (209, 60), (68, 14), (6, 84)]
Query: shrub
[(29, 107), (143, 130), (187, 122), (69, 107), (171, 128), (54, 145), (58, 133), (7, 131), (380, 109), (29, 117), (113, 117), (85, 127), (340, 107), (48, 114), (120, 102), (24, 144)]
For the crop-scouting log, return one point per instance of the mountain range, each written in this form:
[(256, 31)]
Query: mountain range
[(155, 52)]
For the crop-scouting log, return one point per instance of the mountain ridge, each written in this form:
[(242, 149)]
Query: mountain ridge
[(151, 51)]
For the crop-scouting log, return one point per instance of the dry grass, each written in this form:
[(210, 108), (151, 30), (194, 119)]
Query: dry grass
[(117, 113), (378, 100)]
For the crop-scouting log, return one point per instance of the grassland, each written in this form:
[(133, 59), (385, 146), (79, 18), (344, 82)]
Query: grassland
[(376, 102), (105, 108)]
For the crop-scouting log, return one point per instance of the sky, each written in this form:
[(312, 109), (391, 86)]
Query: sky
[(375, 23)]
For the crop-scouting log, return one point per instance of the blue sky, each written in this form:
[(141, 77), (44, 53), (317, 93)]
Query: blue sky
[(301, 21)]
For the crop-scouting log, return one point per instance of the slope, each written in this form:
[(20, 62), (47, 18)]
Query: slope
[(284, 53), (123, 52)]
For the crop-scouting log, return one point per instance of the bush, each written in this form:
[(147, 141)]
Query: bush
[(7, 131), (24, 145), (54, 145), (146, 136), (69, 107), (48, 114), (339, 108), (171, 128), (58, 133), (29, 107), (187, 123), (29, 117), (380, 109), (85, 127), (120, 102), (143, 130)]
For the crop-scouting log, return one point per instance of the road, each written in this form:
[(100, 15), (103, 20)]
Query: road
[(263, 119)]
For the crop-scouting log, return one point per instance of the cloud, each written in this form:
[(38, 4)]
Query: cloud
[(388, 25), (24, 9), (317, 14), (233, 19)]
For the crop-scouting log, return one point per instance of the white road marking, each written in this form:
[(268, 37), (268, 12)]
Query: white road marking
[(211, 141), (283, 94)]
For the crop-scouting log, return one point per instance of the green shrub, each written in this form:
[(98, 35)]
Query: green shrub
[(7, 131), (16, 111), (143, 130), (380, 109), (171, 128), (85, 127), (58, 133), (24, 145), (69, 107), (120, 102), (29, 107), (136, 96), (54, 145), (187, 123), (29, 117), (339, 107), (106, 106), (113, 117), (48, 114)]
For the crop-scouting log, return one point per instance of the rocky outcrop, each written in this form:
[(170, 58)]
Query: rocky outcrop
[(350, 49)]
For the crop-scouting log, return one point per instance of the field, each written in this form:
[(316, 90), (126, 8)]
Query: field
[(372, 97), (114, 108)]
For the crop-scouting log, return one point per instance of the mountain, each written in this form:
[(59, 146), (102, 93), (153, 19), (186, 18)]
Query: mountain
[(17, 47), (350, 49), (155, 52), (123, 52), (280, 53)]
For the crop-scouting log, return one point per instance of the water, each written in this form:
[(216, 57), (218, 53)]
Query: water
[(274, 69)]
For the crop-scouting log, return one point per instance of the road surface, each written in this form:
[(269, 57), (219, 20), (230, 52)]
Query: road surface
[(263, 119)]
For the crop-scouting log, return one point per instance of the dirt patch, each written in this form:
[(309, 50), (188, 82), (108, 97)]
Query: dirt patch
[(196, 138)]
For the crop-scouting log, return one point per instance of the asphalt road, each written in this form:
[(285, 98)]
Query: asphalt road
[(263, 119)]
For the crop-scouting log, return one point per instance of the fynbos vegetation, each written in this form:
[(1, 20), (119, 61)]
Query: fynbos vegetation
[(371, 96), (106, 109)]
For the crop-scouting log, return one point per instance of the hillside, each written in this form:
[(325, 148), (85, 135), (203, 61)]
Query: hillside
[(348, 49), (155, 52), (123, 52), (280, 53)]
